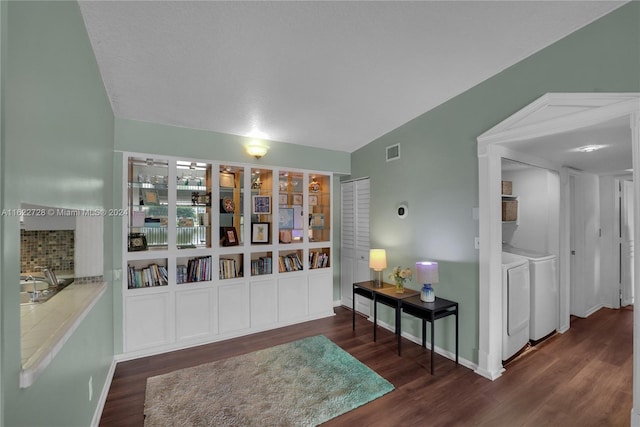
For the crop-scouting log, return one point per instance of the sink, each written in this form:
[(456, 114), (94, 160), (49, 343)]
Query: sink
[(46, 292), (27, 285)]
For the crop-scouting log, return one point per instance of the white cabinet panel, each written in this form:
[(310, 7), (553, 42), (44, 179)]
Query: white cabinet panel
[(233, 307), (292, 297), (147, 321), (196, 313), (264, 303), (320, 293)]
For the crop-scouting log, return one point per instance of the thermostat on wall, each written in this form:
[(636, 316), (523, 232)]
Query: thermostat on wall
[(402, 210)]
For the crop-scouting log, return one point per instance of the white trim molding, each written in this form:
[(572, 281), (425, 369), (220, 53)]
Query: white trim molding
[(552, 113)]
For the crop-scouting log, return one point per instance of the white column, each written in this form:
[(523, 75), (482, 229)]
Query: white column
[(490, 291), (635, 144)]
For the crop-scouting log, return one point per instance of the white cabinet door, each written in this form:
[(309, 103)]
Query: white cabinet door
[(320, 293), (195, 313), (292, 297), (147, 321), (264, 303), (233, 307)]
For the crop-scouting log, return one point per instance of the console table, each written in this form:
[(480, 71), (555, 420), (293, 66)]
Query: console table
[(410, 303), (430, 312)]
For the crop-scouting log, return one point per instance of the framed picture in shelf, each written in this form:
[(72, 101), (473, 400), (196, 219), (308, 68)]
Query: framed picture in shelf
[(317, 221), (313, 200), (137, 242), (227, 179), (285, 218), (260, 232), (227, 205), (297, 199), (228, 236), (282, 199), (150, 197), (261, 205)]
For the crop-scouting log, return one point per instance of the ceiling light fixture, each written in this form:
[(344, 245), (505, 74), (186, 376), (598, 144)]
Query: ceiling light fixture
[(257, 148), (589, 148)]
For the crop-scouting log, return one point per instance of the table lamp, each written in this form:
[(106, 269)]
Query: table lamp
[(378, 262), (427, 275)]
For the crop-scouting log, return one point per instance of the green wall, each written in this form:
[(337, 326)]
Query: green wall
[(144, 137), (57, 150), (438, 174)]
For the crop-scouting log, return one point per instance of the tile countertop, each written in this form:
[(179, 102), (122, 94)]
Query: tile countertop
[(47, 326)]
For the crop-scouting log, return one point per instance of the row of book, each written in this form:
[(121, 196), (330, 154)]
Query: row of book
[(152, 275), (228, 269), (318, 259), (196, 270), (289, 262), (260, 266)]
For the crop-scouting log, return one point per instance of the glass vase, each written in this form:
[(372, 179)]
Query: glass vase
[(399, 287)]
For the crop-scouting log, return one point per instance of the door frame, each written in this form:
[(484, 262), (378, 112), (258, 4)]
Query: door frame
[(552, 113)]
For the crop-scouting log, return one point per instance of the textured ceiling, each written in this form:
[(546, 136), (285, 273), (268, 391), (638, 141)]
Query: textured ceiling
[(613, 136), (335, 75)]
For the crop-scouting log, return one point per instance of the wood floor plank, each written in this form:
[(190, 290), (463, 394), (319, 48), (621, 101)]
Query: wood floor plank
[(582, 377)]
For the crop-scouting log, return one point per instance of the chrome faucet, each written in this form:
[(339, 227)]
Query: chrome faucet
[(36, 293)]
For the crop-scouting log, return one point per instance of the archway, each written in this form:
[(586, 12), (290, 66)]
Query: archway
[(551, 114)]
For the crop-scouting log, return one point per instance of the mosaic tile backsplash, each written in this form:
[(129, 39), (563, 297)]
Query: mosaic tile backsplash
[(47, 248)]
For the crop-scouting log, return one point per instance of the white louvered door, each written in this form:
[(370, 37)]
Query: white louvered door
[(354, 250)]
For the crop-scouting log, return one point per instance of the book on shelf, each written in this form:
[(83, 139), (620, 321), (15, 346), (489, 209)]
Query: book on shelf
[(260, 266), (290, 262), (150, 276), (197, 270), (318, 259), (228, 268)]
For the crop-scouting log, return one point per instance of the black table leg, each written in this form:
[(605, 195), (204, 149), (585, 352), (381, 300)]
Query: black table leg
[(399, 326), (424, 333), (456, 335), (353, 303), (432, 344), (375, 316)]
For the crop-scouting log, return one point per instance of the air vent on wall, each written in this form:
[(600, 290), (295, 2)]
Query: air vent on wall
[(393, 152)]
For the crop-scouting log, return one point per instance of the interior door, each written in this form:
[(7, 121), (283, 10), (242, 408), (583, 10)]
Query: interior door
[(626, 244), (355, 238)]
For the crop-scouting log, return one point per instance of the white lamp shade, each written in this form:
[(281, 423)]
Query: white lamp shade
[(257, 149), (377, 259), (427, 272)]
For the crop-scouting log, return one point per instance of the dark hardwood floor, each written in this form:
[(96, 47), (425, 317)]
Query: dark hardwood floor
[(580, 378)]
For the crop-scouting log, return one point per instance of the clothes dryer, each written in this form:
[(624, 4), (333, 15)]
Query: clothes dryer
[(544, 291), (516, 294)]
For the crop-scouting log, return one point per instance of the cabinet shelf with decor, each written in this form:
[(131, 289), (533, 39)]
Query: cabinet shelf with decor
[(509, 208), (212, 230)]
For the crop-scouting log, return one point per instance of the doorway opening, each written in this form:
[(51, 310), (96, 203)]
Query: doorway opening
[(536, 127)]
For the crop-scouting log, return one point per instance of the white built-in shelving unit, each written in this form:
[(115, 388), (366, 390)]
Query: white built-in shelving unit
[(215, 250)]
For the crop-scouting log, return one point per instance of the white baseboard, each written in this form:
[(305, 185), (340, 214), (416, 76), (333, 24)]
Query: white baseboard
[(593, 310), (441, 351), (103, 395), (635, 418)]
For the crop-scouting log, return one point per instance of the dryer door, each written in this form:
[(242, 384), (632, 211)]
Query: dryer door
[(518, 298)]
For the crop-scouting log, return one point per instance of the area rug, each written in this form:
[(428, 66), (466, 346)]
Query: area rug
[(302, 383)]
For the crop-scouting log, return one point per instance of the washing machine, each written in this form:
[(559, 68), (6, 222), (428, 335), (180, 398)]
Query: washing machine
[(544, 291), (516, 294)]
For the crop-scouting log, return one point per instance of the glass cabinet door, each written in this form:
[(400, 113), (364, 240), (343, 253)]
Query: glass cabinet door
[(319, 208), (290, 212), (231, 205), (148, 204), (193, 205), (261, 206)]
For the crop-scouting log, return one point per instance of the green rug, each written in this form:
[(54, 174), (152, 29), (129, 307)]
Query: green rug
[(303, 383)]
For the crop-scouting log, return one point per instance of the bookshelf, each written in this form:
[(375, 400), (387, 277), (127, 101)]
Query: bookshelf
[(227, 249)]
